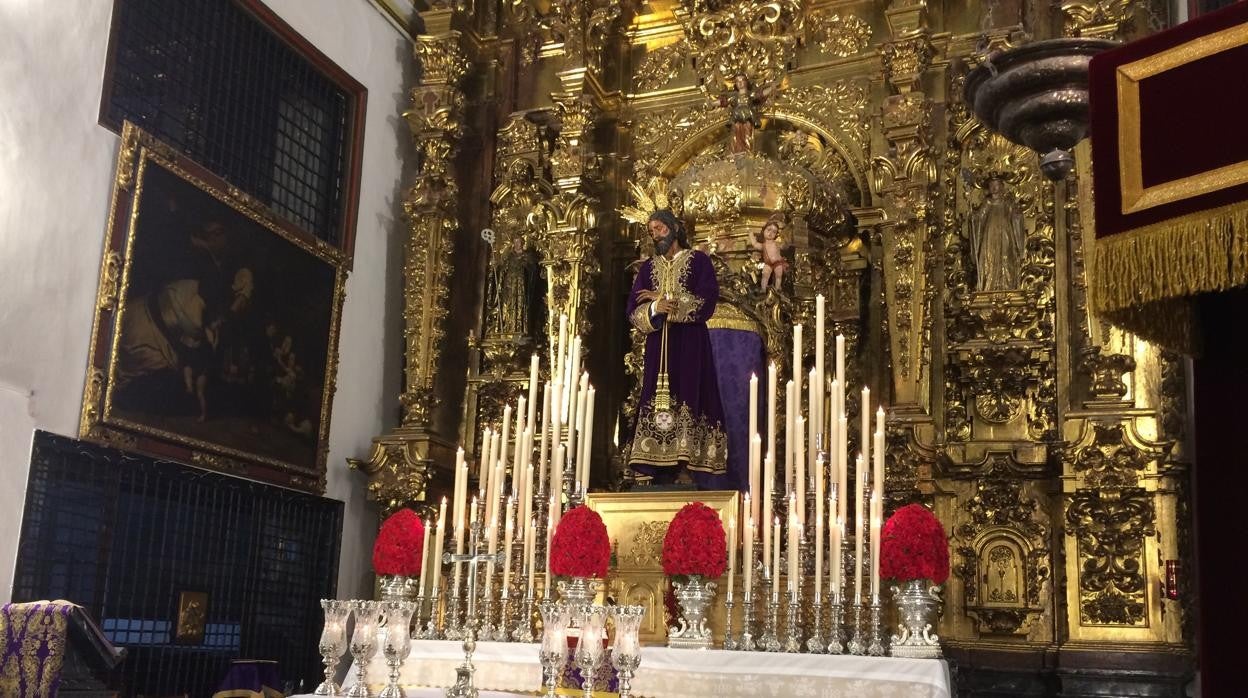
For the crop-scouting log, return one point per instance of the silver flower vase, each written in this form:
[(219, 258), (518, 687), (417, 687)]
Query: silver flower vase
[(918, 605), (577, 591), (397, 587), (694, 596)]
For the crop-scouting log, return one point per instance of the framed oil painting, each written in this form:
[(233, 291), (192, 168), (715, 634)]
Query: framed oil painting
[(216, 326)]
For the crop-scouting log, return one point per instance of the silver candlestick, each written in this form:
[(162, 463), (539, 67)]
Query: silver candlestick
[(419, 632), (523, 632), (816, 643), (747, 622), (793, 623), (835, 644), (589, 652), (554, 649), (770, 642), (876, 647), (431, 628), (857, 643), (398, 643), (730, 641), (363, 644), (333, 643)]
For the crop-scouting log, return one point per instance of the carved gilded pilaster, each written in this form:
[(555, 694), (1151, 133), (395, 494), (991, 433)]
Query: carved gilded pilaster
[(399, 465)]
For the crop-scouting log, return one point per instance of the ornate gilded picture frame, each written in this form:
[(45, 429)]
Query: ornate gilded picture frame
[(216, 326)]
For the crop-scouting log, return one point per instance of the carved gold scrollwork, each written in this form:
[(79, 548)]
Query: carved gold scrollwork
[(110, 281), (1110, 526)]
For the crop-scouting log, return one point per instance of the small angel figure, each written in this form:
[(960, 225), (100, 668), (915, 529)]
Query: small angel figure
[(774, 263), (744, 117)]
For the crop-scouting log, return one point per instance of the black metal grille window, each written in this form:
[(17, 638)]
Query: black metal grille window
[(128, 537), (239, 92)]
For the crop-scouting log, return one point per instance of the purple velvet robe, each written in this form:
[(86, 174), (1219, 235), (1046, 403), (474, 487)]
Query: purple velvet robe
[(695, 438)]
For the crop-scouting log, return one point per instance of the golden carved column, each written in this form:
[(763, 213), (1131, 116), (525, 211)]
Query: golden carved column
[(565, 224), (399, 465), (903, 178)]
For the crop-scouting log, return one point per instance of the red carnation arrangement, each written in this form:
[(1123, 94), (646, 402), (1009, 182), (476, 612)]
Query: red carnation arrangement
[(399, 549), (695, 543), (913, 546), (580, 546)]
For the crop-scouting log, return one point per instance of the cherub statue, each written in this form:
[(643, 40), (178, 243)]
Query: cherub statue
[(743, 115), (768, 243)]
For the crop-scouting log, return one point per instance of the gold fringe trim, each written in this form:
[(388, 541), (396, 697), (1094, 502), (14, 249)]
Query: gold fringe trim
[(1142, 279)]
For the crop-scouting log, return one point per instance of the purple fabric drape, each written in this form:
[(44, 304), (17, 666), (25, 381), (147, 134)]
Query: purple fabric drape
[(738, 354), (695, 437), (35, 636)]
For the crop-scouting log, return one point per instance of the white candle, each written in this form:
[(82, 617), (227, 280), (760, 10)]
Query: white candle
[(506, 439), (732, 552), (574, 373), (517, 461), (775, 560), (526, 495), (768, 490), (556, 475), (819, 528), (556, 372), (439, 540), (799, 466), (875, 548), (530, 553), (772, 397), (531, 418), (797, 362), (878, 470), (543, 441), (838, 535), (790, 412), (460, 492), (552, 520), (842, 432), (756, 445), (508, 534), (485, 466), (795, 528), (864, 439), (840, 360), (425, 553), (574, 427), (499, 482), (753, 429), (588, 439), (749, 553), (859, 522), (820, 375)]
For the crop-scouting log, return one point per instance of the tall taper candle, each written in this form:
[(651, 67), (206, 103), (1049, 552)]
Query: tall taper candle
[(835, 584), (530, 554), (531, 418), (756, 476), (753, 429), (799, 466), (460, 492), (508, 534), (772, 397), (769, 483), (797, 363), (840, 361), (556, 372), (556, 475), (502, 451), (794, 551), (485, 465), (552, 520), (775, 560), (544, 441), (732, 552), (587, 439), (843, 477), (425, 554), (864, 439), (875, 547), (819, 527), (877, 472), (820, 376), (790, 413), (516, 464), (860, 519), (748, 558), (439, 540)]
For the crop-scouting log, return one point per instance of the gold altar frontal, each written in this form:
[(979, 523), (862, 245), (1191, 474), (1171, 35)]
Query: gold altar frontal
[(636, 523)]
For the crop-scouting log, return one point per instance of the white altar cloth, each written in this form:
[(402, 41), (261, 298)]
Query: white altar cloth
[(680, 673)]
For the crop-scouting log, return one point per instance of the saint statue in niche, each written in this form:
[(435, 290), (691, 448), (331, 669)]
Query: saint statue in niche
[(998, 238), (515, 283), (744, 117)]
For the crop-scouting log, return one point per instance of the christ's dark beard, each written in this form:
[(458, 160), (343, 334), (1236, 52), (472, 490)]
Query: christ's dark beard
[(662, 246)]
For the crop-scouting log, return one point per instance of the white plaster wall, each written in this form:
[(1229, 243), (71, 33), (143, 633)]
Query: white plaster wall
[(56, 167)]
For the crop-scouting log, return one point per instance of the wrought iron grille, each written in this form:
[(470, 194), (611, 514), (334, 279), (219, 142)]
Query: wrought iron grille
[(209, 77), (126, 536)]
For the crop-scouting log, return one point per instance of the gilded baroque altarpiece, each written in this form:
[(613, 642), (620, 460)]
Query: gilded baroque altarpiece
[(1051, 445)]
